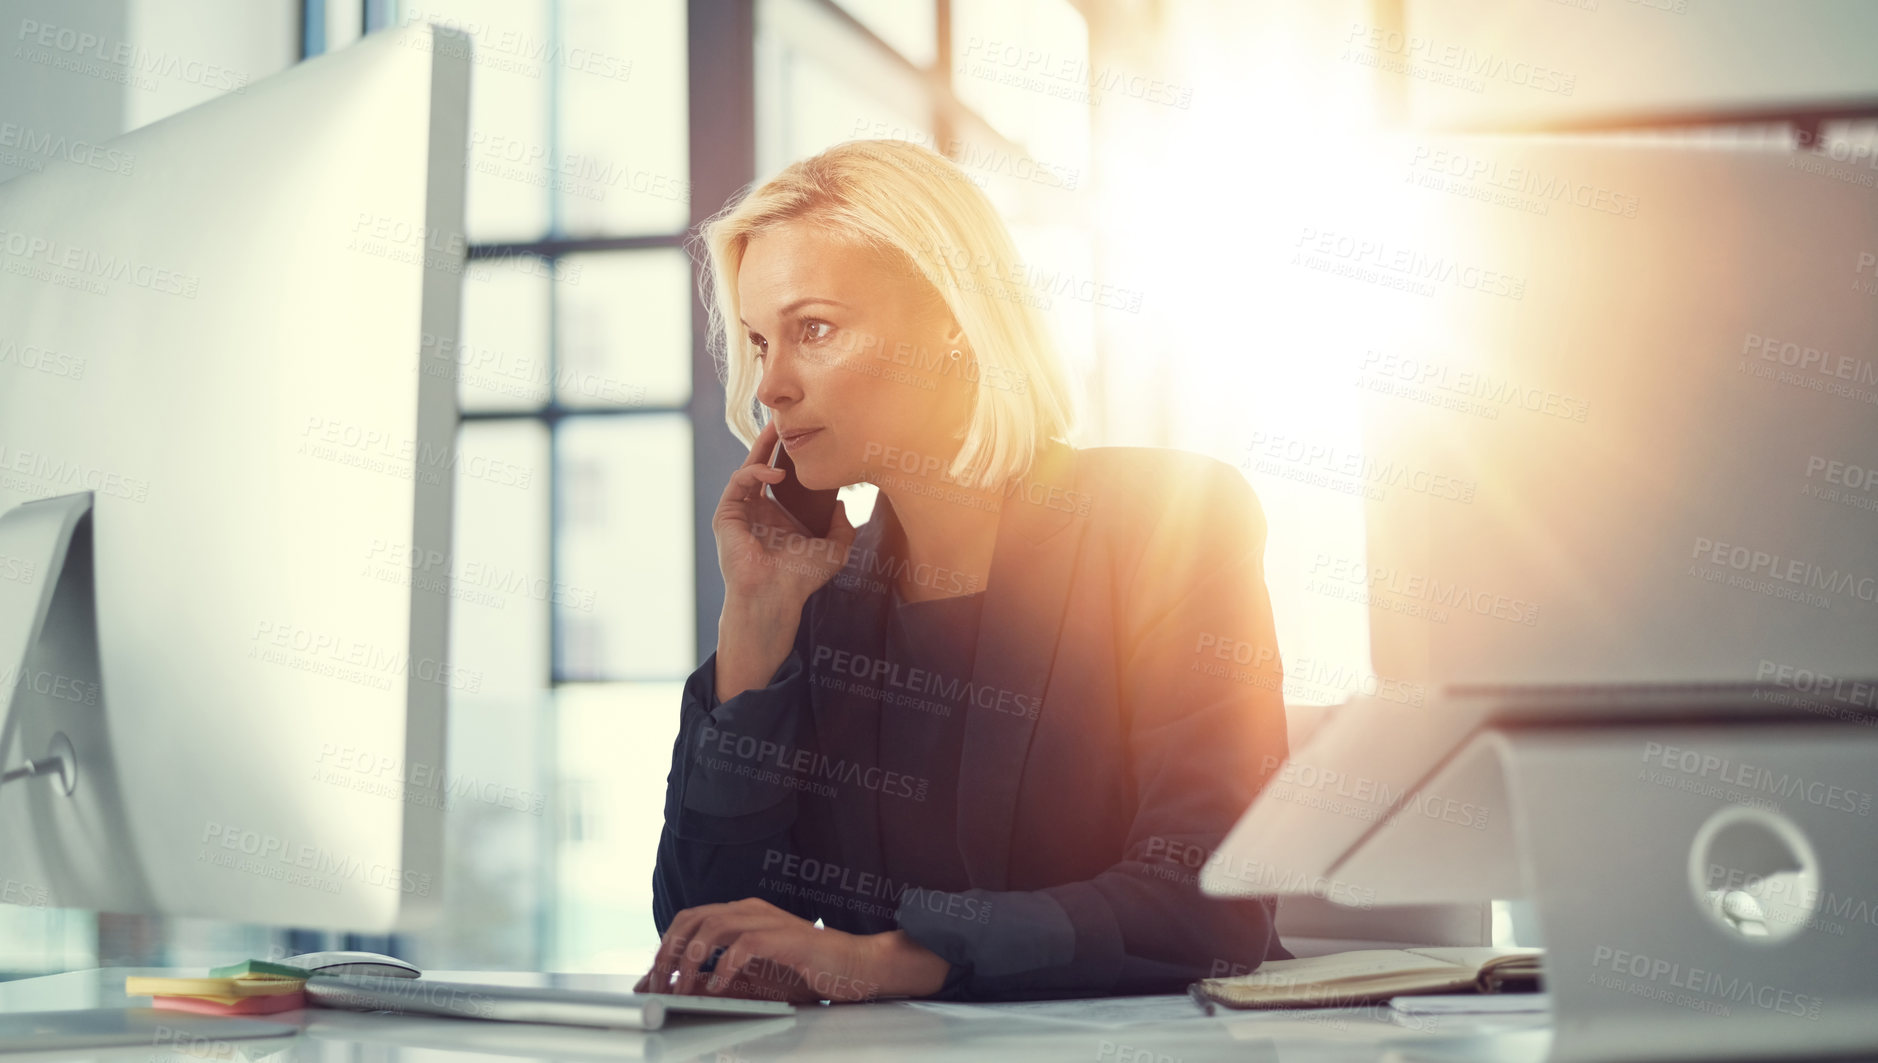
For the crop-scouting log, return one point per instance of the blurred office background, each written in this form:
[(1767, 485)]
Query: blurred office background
[(1156, 160)]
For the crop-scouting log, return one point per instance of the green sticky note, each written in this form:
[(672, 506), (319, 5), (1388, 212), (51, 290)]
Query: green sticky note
[(258, 968)]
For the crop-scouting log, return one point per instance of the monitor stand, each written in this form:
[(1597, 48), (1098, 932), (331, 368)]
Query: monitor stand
[(63, 829), (1703, 890), (63, 821)]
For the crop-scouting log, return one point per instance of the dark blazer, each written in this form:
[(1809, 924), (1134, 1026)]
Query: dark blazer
[(1125, 706)]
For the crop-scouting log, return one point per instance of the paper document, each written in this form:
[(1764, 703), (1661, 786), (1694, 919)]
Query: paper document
[(1472, 1003), (1097, 1011)]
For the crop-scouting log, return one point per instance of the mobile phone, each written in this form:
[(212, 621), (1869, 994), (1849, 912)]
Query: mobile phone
[(813, 510)]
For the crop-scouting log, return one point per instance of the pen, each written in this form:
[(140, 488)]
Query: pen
[(1199, 997)]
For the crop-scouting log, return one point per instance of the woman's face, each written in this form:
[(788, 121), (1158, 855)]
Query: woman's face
[(855, 356)]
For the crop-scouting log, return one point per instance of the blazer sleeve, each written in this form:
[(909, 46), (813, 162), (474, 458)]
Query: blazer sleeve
[(728, 808), (1203, 733)]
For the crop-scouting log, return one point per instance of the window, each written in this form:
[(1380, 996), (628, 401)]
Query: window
[(576, 370), (579, 586)]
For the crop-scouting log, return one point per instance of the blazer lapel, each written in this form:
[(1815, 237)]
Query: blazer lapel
[(1040, 530)]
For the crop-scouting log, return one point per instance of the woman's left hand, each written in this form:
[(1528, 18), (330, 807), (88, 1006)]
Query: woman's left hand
[(776, 955)]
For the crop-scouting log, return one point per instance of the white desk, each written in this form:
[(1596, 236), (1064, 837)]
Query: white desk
[(890, 1031)]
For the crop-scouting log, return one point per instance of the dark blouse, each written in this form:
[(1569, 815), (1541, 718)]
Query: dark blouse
[(922, 730)]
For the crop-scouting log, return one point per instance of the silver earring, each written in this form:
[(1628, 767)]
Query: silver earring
[(955, 354)]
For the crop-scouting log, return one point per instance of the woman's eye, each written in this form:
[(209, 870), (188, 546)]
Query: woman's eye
[(816, 331), (761, 344)]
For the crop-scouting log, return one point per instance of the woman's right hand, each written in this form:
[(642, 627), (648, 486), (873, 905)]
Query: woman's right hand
[(765, 558)]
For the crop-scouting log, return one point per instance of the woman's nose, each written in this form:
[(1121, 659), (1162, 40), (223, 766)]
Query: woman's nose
[(779, 385)]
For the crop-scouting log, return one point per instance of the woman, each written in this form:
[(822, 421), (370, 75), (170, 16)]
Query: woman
[(989, 739)]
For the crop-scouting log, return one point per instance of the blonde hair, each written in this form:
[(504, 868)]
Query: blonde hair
[(901, 198)]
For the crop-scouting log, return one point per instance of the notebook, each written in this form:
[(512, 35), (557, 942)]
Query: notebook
[(1371, 976)]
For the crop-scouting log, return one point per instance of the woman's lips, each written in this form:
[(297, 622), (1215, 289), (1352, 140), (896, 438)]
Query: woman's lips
[(793, 440)]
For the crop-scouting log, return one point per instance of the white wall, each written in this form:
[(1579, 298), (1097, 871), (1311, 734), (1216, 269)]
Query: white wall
[(207, 47), (44, 110), (77, 72)]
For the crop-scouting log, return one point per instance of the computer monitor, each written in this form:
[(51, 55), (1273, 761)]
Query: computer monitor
[(226, 394), (1653, 435), (1663, 446)]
